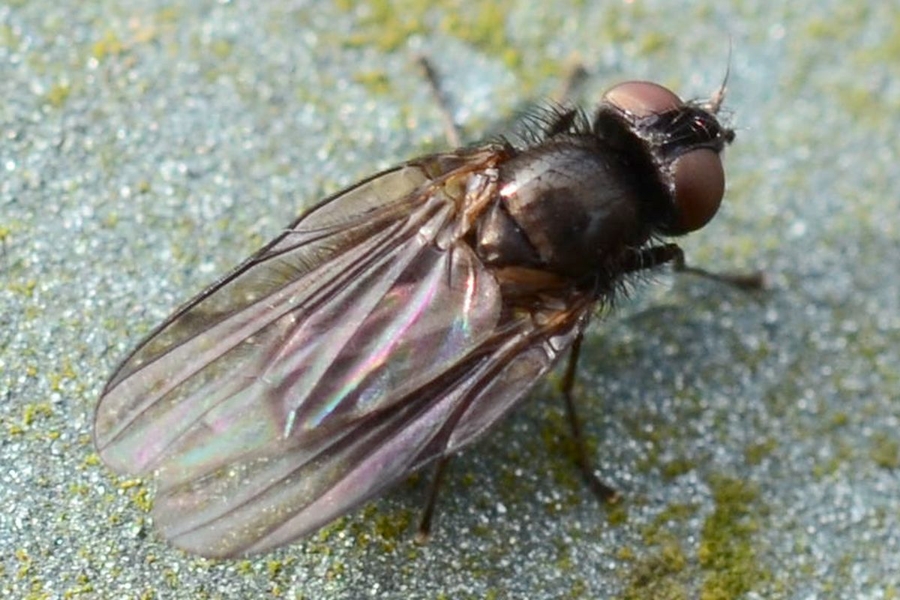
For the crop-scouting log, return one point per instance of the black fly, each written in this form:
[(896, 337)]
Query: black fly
[(394, 323)]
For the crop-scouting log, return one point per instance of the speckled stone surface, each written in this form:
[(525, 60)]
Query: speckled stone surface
[(146, 147)]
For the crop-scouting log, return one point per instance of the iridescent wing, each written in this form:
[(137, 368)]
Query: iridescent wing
[(352, 350), (260, 501)]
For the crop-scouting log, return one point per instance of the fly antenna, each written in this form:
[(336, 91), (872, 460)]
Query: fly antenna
[(715, 102)]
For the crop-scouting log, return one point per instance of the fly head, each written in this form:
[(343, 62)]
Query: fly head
[(683, 142)]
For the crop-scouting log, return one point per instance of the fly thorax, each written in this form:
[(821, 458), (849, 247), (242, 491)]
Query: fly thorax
[(570, 205)]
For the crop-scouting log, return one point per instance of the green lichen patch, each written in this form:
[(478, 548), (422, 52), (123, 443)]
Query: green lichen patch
[(726, 563), (387, 25), (663, 574), (885, 451), (727, 554), (755, 453)]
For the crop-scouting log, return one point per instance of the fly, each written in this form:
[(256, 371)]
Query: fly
[(394, 323)]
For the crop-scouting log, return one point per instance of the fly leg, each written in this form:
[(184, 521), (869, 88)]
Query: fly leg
[(672, 253), (428, 513), (638, 261), (576, 74), (600, 489), (752, 280), (451, 129)]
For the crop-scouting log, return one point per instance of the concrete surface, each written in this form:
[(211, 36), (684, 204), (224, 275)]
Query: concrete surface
[(146, 147)]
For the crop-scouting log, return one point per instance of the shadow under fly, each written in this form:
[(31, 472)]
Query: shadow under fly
[(391, 325)]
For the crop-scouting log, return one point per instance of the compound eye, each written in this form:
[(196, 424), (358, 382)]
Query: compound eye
[(642, 98), (699, 186)]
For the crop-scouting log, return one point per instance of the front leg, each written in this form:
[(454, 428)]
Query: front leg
[(647, 258)]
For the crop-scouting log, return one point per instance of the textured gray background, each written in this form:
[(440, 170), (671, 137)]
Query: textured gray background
[(146, 147)]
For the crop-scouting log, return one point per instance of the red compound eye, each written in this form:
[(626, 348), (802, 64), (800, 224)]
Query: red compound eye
[(699, 187)]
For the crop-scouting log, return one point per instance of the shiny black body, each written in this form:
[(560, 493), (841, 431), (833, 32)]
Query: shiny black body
[(582, 202)]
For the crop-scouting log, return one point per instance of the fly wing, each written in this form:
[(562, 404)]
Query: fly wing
[(339, 358), (220, 342), (264, 500)]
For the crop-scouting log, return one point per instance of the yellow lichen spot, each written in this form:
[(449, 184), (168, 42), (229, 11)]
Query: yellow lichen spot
[(335, 571), (10, 38), (244, 567), (388, 26), (673, 556), (839, 419), (221, 48), (375, 82), (484, 28), (677, 512), (626, 553), (330, 530), (170, 14), (393, 526), (109, 45), (80, 590), (57, 95), (32, 412), (141, 498), (655, 43), (24, 564), (273, 568)]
